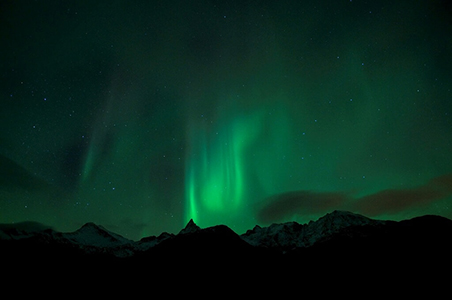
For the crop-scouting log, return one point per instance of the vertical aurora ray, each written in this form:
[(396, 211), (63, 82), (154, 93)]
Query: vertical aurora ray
[(216, 173), (88, 165), (192, 211)]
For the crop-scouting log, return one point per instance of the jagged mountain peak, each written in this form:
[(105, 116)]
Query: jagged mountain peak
[(191, 227)]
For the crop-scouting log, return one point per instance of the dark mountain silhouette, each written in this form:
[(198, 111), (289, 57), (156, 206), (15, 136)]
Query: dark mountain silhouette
[(336, 242)]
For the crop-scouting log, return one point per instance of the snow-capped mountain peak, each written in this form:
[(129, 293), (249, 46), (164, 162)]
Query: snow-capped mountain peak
[(95, 235), (337, 220), (292, 235), (346, 218)]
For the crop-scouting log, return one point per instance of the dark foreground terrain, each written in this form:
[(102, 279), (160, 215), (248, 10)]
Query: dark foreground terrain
[(340, 246)]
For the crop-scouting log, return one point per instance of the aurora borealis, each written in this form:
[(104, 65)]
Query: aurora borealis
[(140, 115)]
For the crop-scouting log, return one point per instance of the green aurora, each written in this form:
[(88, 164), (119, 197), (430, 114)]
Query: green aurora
[(141, 116)]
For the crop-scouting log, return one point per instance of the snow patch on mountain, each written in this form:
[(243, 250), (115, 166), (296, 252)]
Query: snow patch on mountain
[(291, 235)]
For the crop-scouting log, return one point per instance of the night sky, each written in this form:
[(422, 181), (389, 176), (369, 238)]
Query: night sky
[(140, 115)]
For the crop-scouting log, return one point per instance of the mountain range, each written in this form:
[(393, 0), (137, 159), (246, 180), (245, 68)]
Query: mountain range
[(339, 239)]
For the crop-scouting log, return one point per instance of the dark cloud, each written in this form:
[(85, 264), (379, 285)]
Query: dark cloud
[(391, 201), (19, 185), (28, 226), (14, 177)]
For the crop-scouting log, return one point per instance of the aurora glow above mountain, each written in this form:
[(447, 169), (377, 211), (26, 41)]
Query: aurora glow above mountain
[(140, 116)]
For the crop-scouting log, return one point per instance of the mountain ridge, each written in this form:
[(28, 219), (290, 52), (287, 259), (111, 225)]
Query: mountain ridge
[(292, 235), (276, 243)]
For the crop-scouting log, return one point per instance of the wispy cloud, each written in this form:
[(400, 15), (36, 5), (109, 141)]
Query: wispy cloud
[(396, 200)]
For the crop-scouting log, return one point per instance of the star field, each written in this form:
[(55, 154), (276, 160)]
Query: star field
[(142, 116)]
